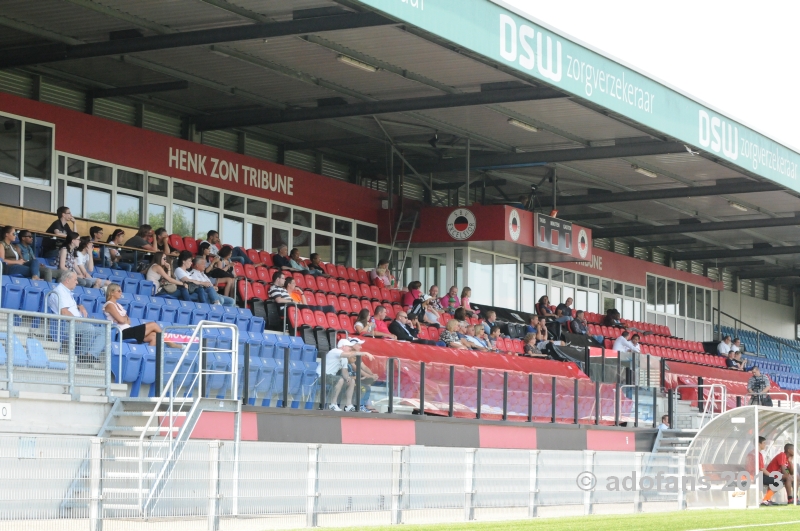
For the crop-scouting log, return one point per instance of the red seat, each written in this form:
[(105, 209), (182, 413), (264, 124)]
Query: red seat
[(263, 275), (295, 317), (363, 276), (259, 291), (352, 274), (390, 313), (341, 272), (519, 346), (344, 287), (244, 289), (238, 270), (189, 244), (332, 300), (308, 317), (176, 242), (396, 295), (385, 295), (320, 319), (374, 304), (345, 323), (333, 320), (374, 292), (300, 280), (253, 255), (365, 291), (423, 333), (344, 303), (251, 273), (433, 333), (331, 270), (322, 284), (318, 299), (311, 282), (265, 258), (397, 308)]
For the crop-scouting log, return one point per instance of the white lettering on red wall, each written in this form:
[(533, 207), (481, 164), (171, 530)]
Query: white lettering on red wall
[(230, 171), (596, 263)]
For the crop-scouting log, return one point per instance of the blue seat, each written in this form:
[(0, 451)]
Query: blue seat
[(256, 364), (225, 339), (104, 272), (296, 371), (130, 285), (200, 313), (131, 362), (135, 275), (136, 309), (33, 299), (265, 380), (309, 354), (13, 293), (169, 313), (229, 314), (255, 345), (215, 384), (184, 316), (117, 276), (152, 312), (18, 352), (268, 346), (243, 323), (146, 288), (257, 324), (309, 385)]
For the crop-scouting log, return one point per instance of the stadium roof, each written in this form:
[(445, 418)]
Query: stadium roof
[(629, 156)]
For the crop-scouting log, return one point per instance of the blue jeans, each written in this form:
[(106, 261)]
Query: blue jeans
[(240, 256), (181, 294), (209, 295), (599, 339), (90, 337), (27, 270), (564, 319), (122, 266)]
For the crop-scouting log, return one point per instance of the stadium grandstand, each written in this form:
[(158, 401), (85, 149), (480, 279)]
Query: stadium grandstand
[(369, 262)]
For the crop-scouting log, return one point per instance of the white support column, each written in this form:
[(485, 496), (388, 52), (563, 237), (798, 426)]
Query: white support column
[(469, 483), (213, 485), (637, 467), (397, 484), (681, 475), (312, 479), (533, 462), (588, 466), (95, 486)]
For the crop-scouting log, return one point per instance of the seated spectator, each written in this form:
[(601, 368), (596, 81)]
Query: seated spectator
[(724, 346), (295, 293), (580, 326), (367, 379), (489, 321), (237, 254), (114, 312), (436, 304), (544, 312), (536, 326), (494, 335), (221, 267), (783, 465), (205, 288), (412, 294), (612, 318), (383, 274), (90, 339), (141, 240), (337, 376), (364, 326), (158, 272), (421, 310), (473, 341), (622, 344), (379, 326), (565, 309), (277, 291), (113, 257), (316, 268), (451, 301), (60, 227), (66, 261), (737, 356), (466, 293), (406, 329), (96, 237), (296, 261), (84, 259), (757, 387), (281, 259), (736, 345), (162, 241), (14, 263), (531, 350), (460, 315), (731, 363), (28, 254), (664, 423), (449, 336)]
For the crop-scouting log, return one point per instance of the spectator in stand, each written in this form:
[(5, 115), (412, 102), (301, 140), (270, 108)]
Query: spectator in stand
[(531, 350), (96, 237), (405, 329), (90, 337), (543, 309), (412, 294), (66, 261), (731, 363), (757, 387), (466, 293), (737, 356), (565, 309), (237, 254), (295, 293), (281, 258), (162, 241), (158, 272), (379, 326), (316, 268), (141, 240), (489, 321), (296, 261), (494, 335), (473, 341), (367, 378), (60, 227), (449, 336), (580, 326), (612, 318), (28, 254), (382, 272), (84, 259), (336, 376), (783, 465), (451, 301), (724, 346), (14, 263), (364, 326), (421, 310), (622, 344), (536, 326), (205, 288), (664, 423), (114, 312), (221, 267), (736, 345), (436, 304), (277, 292), (113, 257)]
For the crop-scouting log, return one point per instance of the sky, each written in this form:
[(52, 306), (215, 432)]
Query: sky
[(742, 58)]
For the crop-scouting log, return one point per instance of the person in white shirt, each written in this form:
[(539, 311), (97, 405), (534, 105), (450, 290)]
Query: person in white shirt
[(621, 344), (725, 346), (736, 346), (664, 423), (205, 288), (337, 375), (60, 301)]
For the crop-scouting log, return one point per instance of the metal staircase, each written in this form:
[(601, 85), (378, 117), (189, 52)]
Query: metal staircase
[(673, 442), (401, 241)]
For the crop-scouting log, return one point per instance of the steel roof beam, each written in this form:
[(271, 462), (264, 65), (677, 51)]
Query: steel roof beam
[(367, 108), (736, 253), (622, 232), (138, 89), (673, 241), (770, 273), (588, 217), (666, 193), (50, 53), (741, 263)]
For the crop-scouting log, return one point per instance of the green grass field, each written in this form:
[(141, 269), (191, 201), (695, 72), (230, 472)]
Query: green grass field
[(765, 519)]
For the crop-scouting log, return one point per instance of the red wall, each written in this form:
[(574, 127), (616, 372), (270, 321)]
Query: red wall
[(491, 224), (109, 141)]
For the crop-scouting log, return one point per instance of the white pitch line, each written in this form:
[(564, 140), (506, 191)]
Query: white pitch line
[(745, 526)]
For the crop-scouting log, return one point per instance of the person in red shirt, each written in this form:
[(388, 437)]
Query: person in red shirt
[(783, 463), (766, 479), (381, 329)]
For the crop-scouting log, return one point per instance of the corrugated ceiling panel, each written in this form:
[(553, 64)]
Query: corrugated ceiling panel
[(57, 95), (221, 139), (115, 110), (169, 125), (335, 170), (262, 150), (16, 84), (297, 159)]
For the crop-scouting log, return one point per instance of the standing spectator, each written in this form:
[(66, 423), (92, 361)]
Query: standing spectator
[(564, 309), (90, 337), (28, 254), (295, 293), (84, 259), (337, 375), (162, 241), (66, 261), (277, 292), (15, 264), (724, 346), (158, 272), (113, 257), (466, 293), (757, 387), (449, 336), (114, 312), (364, 326), (141, 240), (60, 227), (281, 259), (451, 302), (382, 273), (96, 237), (316, 268), (205, 288), (579, 325), (412, 294), (379, 326), (531, 350)]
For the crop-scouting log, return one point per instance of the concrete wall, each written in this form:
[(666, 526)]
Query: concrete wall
[(774, 319)]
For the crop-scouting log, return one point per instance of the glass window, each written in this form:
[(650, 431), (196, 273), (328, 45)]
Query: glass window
[(302, 240), (699, 301), (661, 294), (345, 228), (98, 173), (76, 168), (157, 186), (11, 148), (638, 293), (480, 276), (628, 290), (365, 232), (542, 271), (234, 203), (257, 208), (651, 293), (618, 288), (232, 229), (606, 286), (708, 305), (555, 295), (207, 221), (568, 293), (583, 281), (183, 192), (342, 251), (323, 246), (130, 180), (557, 274), (62, 160), (323, 223), (505, 283), (594, 302), (34, 198), (39, 153), (183, 221), (98, 204), (671, 298), (541, 291), (279, 237), (594, 283), (580, 300), (365, 256), (690, 299), (157, 216), (254, 238), (74, 199), (458, 262), (681, 300), (528, 296), (209, 198), (569, 277), (301, 217), (281, 213), (529, 269), (627, 309), (129, 210), (637, 311)]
